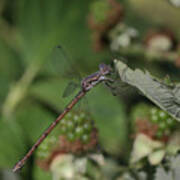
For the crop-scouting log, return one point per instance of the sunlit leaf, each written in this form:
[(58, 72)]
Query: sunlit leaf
[(167, 97), (161, 174), (173, 172)]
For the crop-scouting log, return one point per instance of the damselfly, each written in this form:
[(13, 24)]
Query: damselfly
[(86, 85)]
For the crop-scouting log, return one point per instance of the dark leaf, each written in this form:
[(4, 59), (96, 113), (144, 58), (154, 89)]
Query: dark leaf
[(12, 143)]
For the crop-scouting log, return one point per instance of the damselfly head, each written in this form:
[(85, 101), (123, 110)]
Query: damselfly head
[(105, 69)]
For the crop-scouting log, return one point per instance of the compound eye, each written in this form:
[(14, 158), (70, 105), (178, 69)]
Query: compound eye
[(104, 69), (86, 86)]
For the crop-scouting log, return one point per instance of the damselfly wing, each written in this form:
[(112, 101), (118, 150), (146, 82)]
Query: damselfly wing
[(62, 66)]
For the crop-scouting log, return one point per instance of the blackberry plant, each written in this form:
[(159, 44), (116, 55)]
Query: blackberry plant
[(165, 122), (76, 133)]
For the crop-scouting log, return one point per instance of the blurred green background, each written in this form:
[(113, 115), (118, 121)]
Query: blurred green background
[(29, 30)]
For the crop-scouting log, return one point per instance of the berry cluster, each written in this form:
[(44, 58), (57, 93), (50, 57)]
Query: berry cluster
[(164, 122), (44, 150), (77, 126)]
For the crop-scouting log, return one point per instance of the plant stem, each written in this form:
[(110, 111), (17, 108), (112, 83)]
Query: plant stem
[(19, 90)]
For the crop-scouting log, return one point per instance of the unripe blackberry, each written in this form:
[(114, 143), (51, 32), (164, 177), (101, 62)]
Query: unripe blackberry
[(70, 125), (85, 138), (46, 147), (71, 137), (75, 125), (79, 131), (153, 122), (75, 134), (87, 127), (164, 122)]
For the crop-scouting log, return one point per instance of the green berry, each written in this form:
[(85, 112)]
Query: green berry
[(63, 129), (163, 115), (82, 115), (170, 122), (71, 136), (162, 125), (85, 138), (76, 119), (80, 120), (154, 111), (70, 125), (87, 127), (44, 147), (154, 118), (69, 115), (163, 120), (79, 131), (63, 121), (159, 134)]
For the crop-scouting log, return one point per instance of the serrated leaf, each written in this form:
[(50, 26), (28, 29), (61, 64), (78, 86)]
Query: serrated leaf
[(165, 96), (175, 166), (173, 172)]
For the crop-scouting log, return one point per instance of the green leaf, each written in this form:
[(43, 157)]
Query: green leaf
[(40, 174), (34, 120), (167, 97), (51, 91), (12, 143), (53, 23), (110, 119), (145, 146)]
